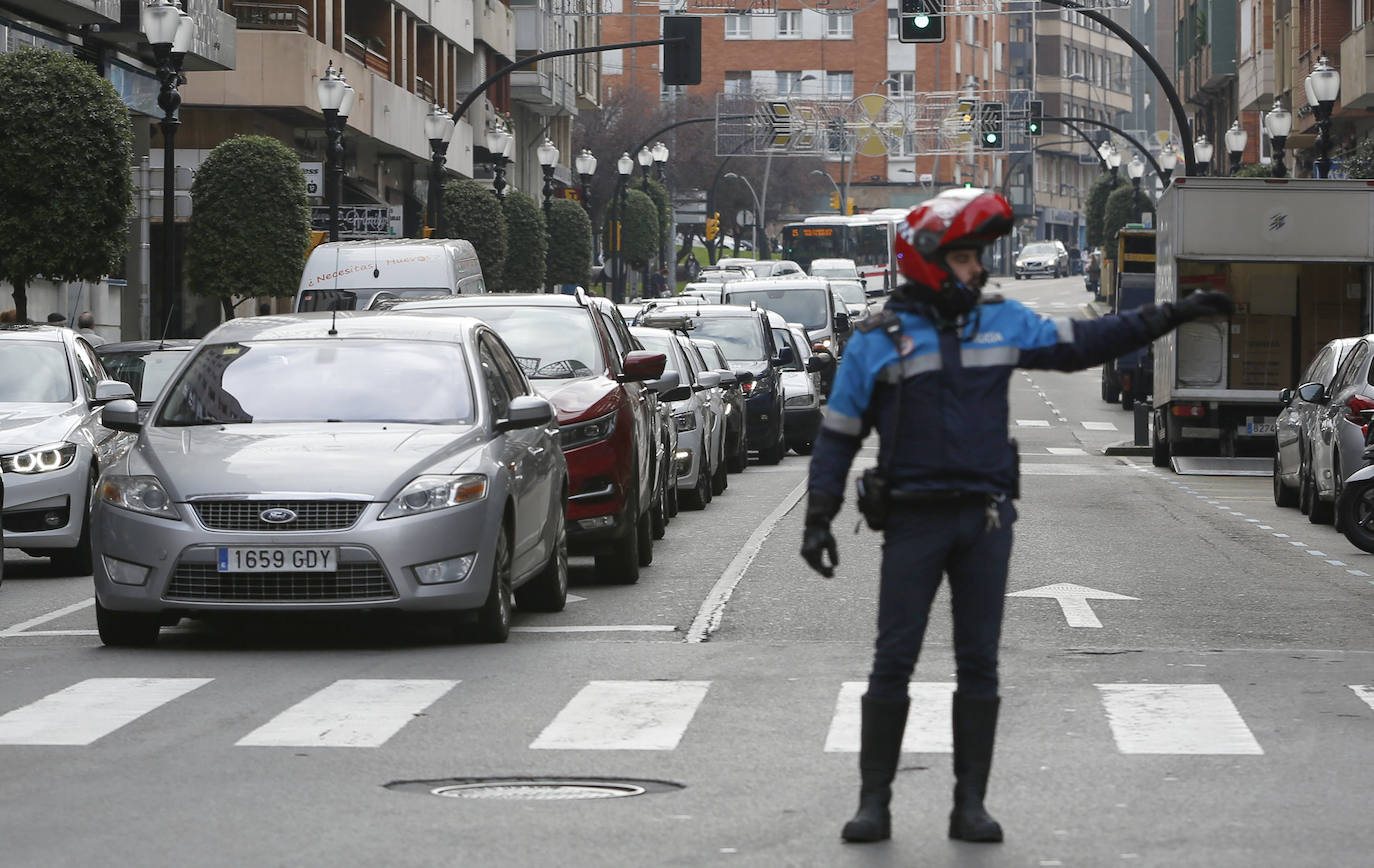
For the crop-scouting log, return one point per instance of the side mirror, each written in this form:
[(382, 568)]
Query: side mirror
[(743, 377), (112, 390), (641, 365), (728, 378), (121, 414), (1286, 397), (864, 281), (819, 363), (784, 357), (842, 322), (708, 380), (526, 411), (666, 383), (1312, 393), (679, 393)]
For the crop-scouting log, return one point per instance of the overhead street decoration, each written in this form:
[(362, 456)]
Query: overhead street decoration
[(930, 9)]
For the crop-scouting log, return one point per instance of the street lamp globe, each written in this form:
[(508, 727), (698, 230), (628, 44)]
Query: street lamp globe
[(1104, 150), (1279, 122), (1202, 150), (585, 163), (625, 165), (497, 139), (548, 153), (646, 158), (1324, 82), (660, 153), (1236, 137), (730, 176), (1136, 168), (1168, 158), (330, 89), (1114, 158), (185, 34), (161, 20), (346, 104), (438, 126)]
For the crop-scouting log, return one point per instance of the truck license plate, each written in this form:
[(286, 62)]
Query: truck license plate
[(1258, 426), (276, 559)]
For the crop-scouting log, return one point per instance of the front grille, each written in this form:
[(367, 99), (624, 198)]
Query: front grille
[(350, 582), (310, 514)]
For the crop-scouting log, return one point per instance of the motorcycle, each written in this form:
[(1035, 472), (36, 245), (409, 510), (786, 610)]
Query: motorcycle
[(1355, 505)]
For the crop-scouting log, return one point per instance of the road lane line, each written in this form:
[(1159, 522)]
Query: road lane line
[(712, 609), (1175, 719), (624, 715), (51, 616), (599, 628), (90, 709), (1365, 692), (927, 725), (363, 712), (1100, 426)]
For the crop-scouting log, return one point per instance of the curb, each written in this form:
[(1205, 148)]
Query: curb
[(1126, 447)]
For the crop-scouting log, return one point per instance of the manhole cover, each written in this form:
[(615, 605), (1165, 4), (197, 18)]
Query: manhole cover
[(535, 789)]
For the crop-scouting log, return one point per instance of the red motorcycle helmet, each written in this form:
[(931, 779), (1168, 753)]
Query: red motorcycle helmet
[(955, 219)]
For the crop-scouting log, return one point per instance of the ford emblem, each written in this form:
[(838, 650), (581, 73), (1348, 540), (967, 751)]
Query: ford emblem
[(277, 515)]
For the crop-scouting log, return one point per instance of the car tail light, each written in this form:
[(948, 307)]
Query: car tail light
[(1354, 404), (748, 388), (1193, 410)]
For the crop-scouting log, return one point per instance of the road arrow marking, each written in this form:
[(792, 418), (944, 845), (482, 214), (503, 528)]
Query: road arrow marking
[(1073, 599)]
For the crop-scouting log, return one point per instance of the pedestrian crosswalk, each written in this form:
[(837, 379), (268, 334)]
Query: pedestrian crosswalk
[(606, 715)]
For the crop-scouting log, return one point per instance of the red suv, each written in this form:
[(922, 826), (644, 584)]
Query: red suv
[(578, 354)]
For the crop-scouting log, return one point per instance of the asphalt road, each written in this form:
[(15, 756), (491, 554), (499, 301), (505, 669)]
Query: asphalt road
[(1214, 708)]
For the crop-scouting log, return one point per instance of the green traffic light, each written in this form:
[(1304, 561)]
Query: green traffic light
[(922, 21), (991, 137)]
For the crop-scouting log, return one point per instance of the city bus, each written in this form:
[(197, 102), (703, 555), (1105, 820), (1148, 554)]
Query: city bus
[(864, 238)]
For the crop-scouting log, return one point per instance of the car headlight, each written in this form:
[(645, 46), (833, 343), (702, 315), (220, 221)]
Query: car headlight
[(582, 433), (433, 492), (40, 459), (143, 494), (803, 400), (685, 421)]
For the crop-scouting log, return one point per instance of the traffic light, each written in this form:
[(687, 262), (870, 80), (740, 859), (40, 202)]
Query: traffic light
[(1035, 118), (921, 21), (990, 127), (849, 205), (835, 199), (682, 51), (713, 226)]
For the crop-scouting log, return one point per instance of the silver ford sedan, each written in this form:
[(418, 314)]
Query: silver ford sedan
[(310, 462)]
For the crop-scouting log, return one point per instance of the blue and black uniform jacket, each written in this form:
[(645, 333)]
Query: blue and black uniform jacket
[(954, 382)]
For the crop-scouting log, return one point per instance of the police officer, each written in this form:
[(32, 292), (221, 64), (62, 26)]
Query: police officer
[(931, 373)]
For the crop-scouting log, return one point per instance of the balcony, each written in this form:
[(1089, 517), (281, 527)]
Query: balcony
[(424, 88), (1255, 81), (270, 16), (372, 59), (72, 12), (1357, 68)]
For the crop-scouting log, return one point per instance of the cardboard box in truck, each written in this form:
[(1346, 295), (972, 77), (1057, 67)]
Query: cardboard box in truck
[(1296, 257)]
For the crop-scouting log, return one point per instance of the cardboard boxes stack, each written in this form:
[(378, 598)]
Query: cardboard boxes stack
[(1261, 345), (1329, 305)]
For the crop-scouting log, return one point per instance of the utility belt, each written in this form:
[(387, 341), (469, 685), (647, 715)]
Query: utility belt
[(877, 502)]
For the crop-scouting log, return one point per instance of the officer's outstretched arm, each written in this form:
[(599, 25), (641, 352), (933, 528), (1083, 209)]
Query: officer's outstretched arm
[(1063, 344)]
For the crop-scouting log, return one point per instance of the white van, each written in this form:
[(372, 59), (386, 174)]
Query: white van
[(355, 275)]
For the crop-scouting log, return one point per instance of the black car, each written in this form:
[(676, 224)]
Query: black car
[(145, 365), (743, 335)]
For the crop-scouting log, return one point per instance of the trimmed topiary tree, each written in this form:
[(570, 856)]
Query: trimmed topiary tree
[(659, 194), (66, 146), (1257, 170), (526, 233), (570, 243), (250, 222), (1096, 206), (1124, 205), (471, 212), (640, 234)]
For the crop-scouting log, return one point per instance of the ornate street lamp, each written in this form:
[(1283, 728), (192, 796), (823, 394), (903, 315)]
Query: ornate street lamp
[(500, 142), (1114, 161), (170, 32), (585, 164), (660, 152), (1136, 169), (646, 159), (336, 100), (1168, 160), (1202, 153), (1236, 137), (1323, 86), (625, 166), (439, 131), (1278, 124), (548, 161)]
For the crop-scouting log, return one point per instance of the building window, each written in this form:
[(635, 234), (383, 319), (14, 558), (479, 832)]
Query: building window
[(789, 24), (839, 26), (671, 92), (789, 81), (739, 26), (905, 86), (839, 84), (892, 32), (738, 83)]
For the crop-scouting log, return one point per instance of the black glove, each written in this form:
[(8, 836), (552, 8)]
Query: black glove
[(817, 540), (1161, 319)]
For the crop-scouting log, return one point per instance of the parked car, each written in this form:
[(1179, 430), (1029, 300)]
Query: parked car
[(446, 499), (841, 268), (801, 387), (53, 446), (732, 391), (1296, 426), (764, 267), (1334, 450), (743, 334), (1042, 257), (146, 366), (357, 275), (691, 416), (578, 353)]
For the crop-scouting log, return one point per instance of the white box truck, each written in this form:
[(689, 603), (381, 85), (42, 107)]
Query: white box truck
[(1296, 256), (355, 275)]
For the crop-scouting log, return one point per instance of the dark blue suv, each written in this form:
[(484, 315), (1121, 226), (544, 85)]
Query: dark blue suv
[(743, 335)]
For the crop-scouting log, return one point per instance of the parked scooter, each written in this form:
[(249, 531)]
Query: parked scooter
[(1355, 506)]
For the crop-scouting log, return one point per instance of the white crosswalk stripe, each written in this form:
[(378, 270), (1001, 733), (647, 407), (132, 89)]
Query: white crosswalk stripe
[(1365, 692), (90, 709), (927, 724), (350, 713), (1176, 719), (625, 715), (1100, 426), (1032, 423)]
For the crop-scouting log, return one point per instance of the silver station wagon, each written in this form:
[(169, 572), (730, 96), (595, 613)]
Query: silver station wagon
[(321, 462)]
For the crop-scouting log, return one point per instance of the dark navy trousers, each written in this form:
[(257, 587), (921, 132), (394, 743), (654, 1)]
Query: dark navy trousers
[(922, 544)]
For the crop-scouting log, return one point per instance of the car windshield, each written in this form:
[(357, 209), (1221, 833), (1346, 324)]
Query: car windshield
[(550, 343), (34, 372), (739, 337), (850, 290), (806, 306), (145, 371), (1040, 250), (348, 299), (321, 381), (660, 342), (713, 355)]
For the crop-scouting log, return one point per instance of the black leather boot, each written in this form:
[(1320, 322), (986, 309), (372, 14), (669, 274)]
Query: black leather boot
[(975, 728), (880, 745)]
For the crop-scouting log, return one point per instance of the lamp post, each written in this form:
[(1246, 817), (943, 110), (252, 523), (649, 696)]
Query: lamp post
[(1202, 153), (1114, 161), (1278, 124), (757, 208), (646, 159), (500, 141), (1323, 85), (1136, 170), (1236, 137), (836, 187), (624, 166), (1168, 159), (660, 154), (585, 164), (169, 31), (548, 159), (439, 131), (336, 99)]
